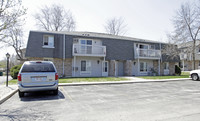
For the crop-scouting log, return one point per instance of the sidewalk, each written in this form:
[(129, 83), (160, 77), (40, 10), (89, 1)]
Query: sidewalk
[(3, 79), (7, 92)]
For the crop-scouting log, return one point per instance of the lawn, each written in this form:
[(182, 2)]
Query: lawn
[(183, 75), (105, 79), (91, 79), (14, 81), (88, 79)]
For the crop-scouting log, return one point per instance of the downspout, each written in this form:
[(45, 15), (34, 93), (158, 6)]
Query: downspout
[(63, 55)]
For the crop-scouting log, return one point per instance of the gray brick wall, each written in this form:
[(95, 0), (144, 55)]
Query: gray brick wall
[(118, 49)]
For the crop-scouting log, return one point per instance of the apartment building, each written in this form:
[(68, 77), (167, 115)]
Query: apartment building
[(89, 54)]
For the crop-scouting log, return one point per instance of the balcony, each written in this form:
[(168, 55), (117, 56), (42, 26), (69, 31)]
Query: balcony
[(147, 54), (183, 56), (89, 50)]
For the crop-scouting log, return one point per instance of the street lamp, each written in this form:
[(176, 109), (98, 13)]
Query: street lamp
[(8, 56)]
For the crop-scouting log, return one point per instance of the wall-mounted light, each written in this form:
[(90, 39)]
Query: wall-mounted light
[(134, 63), (98, 61)]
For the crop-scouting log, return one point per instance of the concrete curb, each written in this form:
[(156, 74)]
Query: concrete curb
[(6, 97), (121, 82)]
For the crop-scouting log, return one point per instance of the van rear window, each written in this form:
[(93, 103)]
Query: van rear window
[(38, 67)]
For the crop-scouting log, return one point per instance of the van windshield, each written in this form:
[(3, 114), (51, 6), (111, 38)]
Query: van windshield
[(38, 67)]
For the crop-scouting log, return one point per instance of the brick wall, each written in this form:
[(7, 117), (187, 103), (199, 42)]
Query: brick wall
[(59, 65), (128, 68)]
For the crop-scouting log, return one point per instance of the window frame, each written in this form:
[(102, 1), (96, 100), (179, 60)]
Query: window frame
[(145, 64), (88, 67), (150, 47), (48, 41), (166, 64)]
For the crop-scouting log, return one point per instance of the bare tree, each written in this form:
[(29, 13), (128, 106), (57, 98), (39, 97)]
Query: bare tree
[(116, 26), (15, 39), (55, 18), (11, 17), (187, 26), (11, 12)]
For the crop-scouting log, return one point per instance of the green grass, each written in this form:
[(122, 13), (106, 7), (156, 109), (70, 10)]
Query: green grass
[(183, 75), (91, 79), (13, 81), (75, 80), (105, 79)]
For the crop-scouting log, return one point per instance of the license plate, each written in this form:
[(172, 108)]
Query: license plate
[(39, 78)]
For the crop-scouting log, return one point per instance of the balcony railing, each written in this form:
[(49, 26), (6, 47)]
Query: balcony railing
[(88, 50), (148, 53)]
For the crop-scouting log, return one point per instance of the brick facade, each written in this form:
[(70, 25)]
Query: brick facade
[(59, 65), (128, 68), (111, 71)]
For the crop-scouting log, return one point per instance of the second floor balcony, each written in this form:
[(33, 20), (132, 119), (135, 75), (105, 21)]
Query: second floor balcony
[(89, 50), (147, 54)]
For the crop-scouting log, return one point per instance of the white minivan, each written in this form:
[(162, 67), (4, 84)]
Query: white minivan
[(37, 76)]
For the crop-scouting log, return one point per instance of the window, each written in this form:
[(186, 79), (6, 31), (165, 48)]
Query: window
[(105, 66), (143, 66), (85, 65), (166, 66), (152, 47), (143, 46), (48, 41), (38, 67), (86, 46)]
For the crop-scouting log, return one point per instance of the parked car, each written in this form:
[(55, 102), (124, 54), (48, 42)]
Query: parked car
[(195, 74), (37, 76)]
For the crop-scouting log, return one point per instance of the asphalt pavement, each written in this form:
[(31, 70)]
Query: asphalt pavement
[(152, 101)]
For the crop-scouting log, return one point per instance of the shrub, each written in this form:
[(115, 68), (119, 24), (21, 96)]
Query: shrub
[(1, 73), (177, 70), (14, 71)]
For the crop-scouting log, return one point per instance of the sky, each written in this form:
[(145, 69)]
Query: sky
[(145, 19)]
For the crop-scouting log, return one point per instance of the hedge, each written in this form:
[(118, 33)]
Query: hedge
[(14, 71)]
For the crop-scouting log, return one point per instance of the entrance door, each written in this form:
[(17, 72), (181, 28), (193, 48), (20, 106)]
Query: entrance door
[(104, 68), (166, 68)]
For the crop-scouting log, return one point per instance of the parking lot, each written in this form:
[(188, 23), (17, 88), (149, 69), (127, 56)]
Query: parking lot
[(155, 101)]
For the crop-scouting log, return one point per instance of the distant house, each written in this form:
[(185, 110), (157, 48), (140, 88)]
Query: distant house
[(89, 54), (186, 56)]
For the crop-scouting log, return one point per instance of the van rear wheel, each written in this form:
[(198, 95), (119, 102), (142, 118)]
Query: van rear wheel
[(21, 94), (55, 92)]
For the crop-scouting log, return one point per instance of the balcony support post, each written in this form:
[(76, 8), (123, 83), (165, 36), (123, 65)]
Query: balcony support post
[(138, 67), (74, 68), (159, 67), (183, 66)]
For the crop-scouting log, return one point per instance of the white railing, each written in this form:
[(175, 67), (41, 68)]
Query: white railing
[(183, 56), (88, 50), (147, 53)]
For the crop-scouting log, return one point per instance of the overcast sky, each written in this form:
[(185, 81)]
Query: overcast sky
[(145, 19)]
